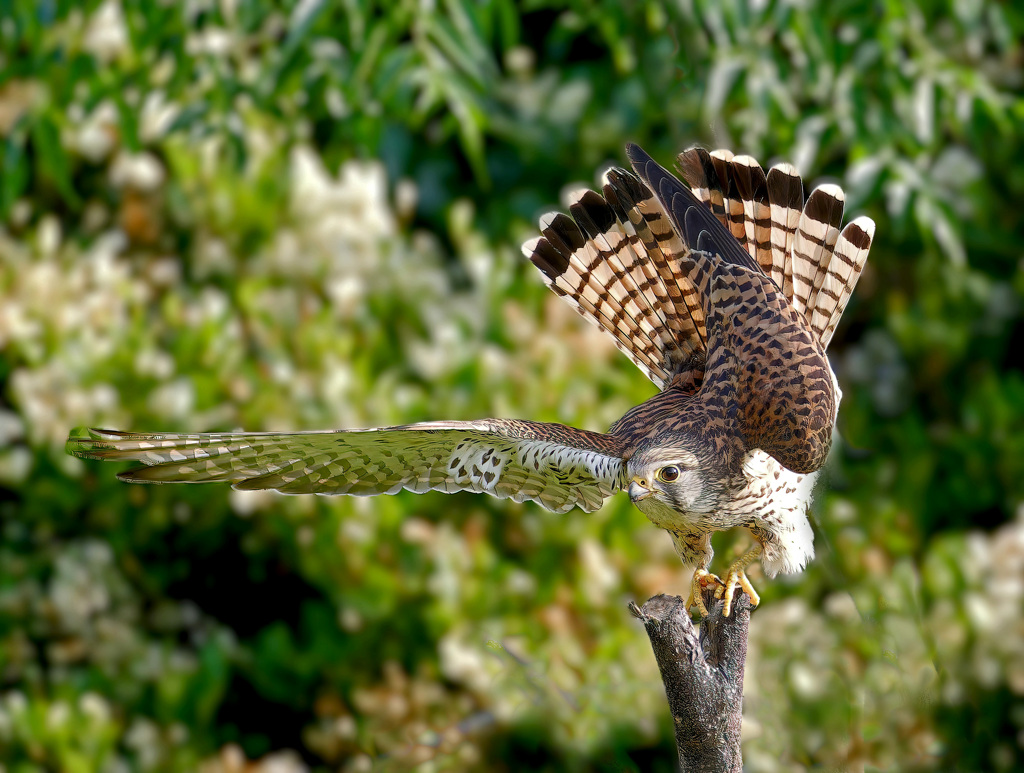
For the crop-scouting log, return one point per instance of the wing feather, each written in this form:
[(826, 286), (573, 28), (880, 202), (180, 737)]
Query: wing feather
[(623, 260), (556, 466), (614, 261), (663, 247), (565, 258)]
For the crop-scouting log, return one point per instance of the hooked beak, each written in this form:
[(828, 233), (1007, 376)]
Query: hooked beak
[(637, 492)]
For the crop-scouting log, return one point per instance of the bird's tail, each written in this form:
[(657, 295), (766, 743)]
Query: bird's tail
[(796, 241)]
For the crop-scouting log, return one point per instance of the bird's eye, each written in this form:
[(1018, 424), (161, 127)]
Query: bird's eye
[(669, 474)]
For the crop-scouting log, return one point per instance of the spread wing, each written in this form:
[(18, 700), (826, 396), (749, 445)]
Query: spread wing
[(556, 466), (616, 258), (616, 270)]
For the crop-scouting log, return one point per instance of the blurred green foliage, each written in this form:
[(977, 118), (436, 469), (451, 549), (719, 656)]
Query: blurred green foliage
[(286, 216)]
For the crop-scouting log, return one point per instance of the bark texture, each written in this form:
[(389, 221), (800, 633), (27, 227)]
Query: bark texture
[(702, 668)]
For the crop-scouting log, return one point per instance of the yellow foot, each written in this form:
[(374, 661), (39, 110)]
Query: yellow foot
[(701, 578), (737, 578)]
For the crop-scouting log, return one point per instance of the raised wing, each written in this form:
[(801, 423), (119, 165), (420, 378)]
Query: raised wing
[(556, 466), (616, 257), (617, 271)]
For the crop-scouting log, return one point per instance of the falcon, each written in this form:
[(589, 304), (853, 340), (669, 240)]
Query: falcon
[(724, 290)]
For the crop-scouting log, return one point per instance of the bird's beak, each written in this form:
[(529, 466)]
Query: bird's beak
[(638, 492)]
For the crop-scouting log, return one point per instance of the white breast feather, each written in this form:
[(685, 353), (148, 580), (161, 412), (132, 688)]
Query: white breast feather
[(782, 498)]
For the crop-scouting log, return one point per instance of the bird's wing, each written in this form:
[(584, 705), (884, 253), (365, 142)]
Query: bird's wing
[(763, 356), (796, 242), (556, 466), (609, 265), (616, 256), (616, 260)]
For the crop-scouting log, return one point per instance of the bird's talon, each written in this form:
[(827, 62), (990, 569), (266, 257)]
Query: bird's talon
[(737, 579), (701, 579)]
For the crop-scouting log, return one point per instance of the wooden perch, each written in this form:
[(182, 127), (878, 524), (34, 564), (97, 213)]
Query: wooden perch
[(703, 675)]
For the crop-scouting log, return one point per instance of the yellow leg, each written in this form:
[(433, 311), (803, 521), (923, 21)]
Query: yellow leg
[(700, 578), (737, 578)]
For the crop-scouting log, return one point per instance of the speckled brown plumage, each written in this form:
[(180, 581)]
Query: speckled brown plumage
[(724, 290)]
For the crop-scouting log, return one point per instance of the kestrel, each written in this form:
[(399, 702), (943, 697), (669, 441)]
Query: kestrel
[(724, 291)]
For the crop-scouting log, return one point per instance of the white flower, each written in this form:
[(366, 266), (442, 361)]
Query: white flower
[(106, 35), (141, 171)]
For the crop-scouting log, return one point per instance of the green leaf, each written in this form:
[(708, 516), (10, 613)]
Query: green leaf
[(14, 171), (51, 157)]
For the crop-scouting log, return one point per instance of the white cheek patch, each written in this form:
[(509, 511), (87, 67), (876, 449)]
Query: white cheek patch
[(686, 492)]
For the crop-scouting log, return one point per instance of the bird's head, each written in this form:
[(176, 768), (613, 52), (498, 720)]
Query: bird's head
[(670, 478)]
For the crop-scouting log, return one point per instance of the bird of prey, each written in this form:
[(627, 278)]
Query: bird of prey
[(724, 290)]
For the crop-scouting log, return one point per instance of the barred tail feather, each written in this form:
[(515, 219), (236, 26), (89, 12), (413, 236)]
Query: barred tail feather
[(848, 259), (796, 242), (732, 201), (815, 238), (746, 201), (752, 186), (699, 172), (785, 202)]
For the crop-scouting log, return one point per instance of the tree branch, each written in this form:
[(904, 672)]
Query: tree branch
[(703, 676)]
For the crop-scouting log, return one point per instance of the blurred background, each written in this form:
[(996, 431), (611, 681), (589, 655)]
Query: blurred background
[(226, 214)]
